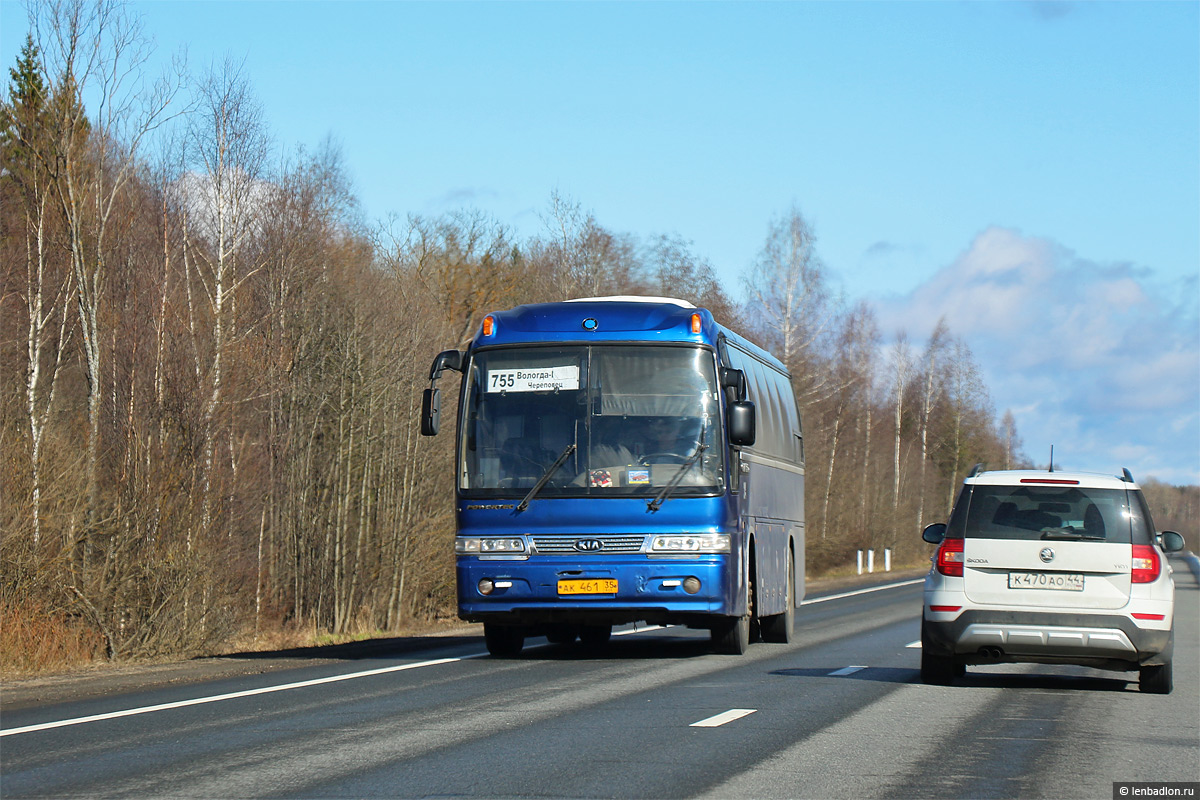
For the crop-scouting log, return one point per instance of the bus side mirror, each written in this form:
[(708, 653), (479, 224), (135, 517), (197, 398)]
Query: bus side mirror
[(431, 412), (431, 401), (734, 379), (934, 533), (741, 422), (1172, 542), (447, 359)]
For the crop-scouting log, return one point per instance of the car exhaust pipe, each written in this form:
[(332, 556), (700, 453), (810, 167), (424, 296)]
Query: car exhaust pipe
[(991, 653)]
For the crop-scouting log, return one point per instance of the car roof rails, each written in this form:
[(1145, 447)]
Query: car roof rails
[(1127, 476), (975, 470)]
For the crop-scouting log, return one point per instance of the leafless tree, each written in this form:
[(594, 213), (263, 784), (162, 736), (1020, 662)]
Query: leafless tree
[(968, 400), (1010, 440), (788, 291), (96, 47), (28, 153), (930, 389), (901, 364), (229, 143)]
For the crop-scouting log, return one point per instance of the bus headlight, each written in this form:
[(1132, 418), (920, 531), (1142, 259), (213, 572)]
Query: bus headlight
[(691, 543), (465, 546)]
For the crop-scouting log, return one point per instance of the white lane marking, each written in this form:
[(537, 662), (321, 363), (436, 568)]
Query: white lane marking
[(837, 673), (642, 630), (723, 717), (861, 591), (131, 712), (914, 645)]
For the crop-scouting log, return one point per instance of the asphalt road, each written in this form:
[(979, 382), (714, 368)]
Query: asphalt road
[(840, 713)]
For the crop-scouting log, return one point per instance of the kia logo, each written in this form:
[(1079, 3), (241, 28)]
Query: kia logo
[(589, 545), (1047, 555)]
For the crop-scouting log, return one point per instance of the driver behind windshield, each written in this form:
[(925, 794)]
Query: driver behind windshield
[(665, 436), (642, 440)]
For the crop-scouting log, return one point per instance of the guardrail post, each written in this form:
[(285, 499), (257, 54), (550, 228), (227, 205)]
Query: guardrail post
[(860, 562), (887, 559), (870, 561)]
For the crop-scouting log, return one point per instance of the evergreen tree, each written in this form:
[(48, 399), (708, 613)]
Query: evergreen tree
[(24, 116)]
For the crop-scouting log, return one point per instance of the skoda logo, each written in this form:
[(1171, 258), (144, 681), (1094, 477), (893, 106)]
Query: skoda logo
[(589, 545), (1047, 555)]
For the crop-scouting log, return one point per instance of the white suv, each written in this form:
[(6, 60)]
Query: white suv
[(1049, 567)]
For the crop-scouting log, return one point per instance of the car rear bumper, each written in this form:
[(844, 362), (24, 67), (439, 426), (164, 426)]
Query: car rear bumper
[(982, 636)]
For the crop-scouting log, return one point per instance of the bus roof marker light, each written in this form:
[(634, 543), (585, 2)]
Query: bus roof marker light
[(695, 323), (489, 325), (590, 324)]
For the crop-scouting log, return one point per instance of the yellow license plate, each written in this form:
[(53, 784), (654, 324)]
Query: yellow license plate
[(590, 586)]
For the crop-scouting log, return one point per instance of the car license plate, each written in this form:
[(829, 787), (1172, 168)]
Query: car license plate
[(1058, 581), (588, 586)]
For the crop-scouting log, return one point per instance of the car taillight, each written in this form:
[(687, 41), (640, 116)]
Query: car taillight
[(950, 557), (1145, 564)]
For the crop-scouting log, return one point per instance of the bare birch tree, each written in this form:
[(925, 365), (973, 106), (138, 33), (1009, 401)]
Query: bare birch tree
[(788, 292), (1009, 439), (850, 377), (229, 143), (901, 358), (930, 389), (25, 136), (96, 47), (967, 398)]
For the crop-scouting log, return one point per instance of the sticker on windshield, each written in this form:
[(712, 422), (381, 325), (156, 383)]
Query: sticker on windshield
[(541, 379)]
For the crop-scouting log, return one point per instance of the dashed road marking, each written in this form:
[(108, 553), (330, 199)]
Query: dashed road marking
[(722, 718), (837, 673)]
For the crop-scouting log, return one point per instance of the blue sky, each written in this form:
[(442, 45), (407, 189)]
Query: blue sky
[(1029, 170)]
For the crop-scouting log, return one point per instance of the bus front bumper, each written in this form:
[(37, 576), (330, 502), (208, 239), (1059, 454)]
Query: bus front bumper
[(551, 590)]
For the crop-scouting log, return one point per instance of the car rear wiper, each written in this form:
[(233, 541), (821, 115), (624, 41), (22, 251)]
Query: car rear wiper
[(656, 503), (537, 487), (1071, 534)]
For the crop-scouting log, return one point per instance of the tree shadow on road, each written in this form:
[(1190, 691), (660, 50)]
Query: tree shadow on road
[(389, 647)]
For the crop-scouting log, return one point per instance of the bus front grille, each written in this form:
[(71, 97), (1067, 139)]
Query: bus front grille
[(575, 545)]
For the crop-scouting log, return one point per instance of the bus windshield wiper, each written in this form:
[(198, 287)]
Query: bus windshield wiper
[(656, 503), (553, 468)]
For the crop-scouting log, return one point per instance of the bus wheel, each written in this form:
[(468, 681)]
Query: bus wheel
[(595, 635), (560, 634), (731, 635), (778, 628), (503, 641)]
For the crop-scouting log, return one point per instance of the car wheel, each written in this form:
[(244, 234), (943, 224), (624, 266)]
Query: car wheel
[(1156, 679), (503, 641), (938, 670)]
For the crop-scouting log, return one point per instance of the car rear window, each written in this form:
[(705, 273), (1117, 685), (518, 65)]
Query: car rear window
[(1049, 512)]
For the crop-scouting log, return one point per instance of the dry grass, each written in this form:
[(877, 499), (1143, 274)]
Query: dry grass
[(34, 641)]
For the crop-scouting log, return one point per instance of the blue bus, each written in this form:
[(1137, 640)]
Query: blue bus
[(623, 459)]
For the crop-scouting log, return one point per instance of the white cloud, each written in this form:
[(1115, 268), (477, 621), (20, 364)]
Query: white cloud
[(1100, 360)]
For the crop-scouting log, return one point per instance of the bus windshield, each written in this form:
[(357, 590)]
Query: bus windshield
[(640, 418)]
